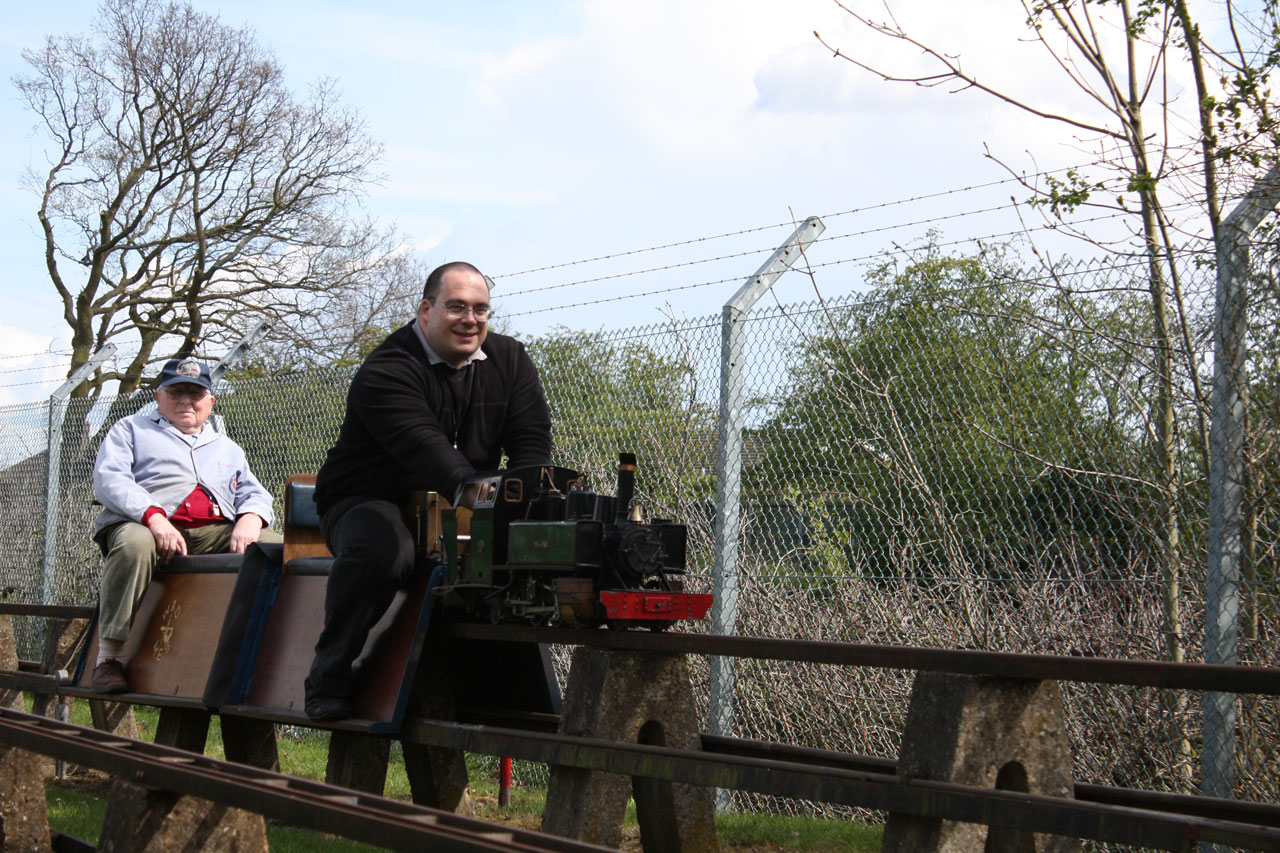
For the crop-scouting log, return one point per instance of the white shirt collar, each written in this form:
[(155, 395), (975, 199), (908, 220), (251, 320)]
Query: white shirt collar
[(434, 358), (185, 436)]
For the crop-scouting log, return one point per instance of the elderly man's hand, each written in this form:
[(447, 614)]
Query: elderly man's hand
[(245, 533), (169, 542)]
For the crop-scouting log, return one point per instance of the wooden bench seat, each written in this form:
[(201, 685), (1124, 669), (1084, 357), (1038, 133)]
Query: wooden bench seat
[(169, 651), (383, 673), (236, 633)]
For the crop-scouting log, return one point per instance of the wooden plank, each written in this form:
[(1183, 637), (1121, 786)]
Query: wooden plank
[(422, 514), (300, 540), (288, 643)]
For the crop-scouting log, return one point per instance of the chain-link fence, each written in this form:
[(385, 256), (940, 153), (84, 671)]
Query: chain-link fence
[(24, 440), (967, 456)]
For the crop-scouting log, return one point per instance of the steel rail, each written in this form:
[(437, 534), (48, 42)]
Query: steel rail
[(523, 723), (56, 611), (1243, 811), (874, 789), (300, 802), (1261, 680)]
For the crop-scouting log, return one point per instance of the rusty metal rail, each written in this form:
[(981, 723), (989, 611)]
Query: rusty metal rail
[(376, 820), (1243, 811), (1261, 680)]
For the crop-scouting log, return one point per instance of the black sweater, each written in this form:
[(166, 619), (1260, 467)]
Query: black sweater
[(404, 414)]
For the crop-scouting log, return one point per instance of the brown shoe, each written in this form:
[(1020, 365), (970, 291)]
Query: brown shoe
[(108, 677)]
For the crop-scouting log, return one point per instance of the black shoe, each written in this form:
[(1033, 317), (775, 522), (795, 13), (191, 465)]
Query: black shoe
[(108, 677), (323, 709)]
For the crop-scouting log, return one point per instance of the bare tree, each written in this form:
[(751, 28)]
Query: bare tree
[(342, 326), (188, 191)]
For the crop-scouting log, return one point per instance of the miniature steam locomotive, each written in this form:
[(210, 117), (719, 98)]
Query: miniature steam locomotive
[(539, 547)]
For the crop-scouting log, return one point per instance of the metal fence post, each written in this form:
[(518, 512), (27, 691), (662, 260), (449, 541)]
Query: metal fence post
[(724, 613), (53, 462), (1226, 478), (232, 357)]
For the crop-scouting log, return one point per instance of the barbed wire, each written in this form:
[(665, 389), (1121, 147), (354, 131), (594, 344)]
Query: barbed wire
[(30, 368), (1117, 184), (1020, 180), (917, 223), (111, 365), (856, 259), (34, 355), (27, 369), (748, 252), (33, 382)]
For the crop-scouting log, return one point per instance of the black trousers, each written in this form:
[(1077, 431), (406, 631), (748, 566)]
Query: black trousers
[(373, 558)]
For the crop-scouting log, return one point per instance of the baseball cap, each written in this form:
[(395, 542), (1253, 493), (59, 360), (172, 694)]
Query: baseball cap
[(185, 370)]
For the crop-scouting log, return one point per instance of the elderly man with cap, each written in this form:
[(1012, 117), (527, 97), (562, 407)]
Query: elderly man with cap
[(168, 487)]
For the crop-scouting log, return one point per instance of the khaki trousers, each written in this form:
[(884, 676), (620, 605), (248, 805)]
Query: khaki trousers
[(129, 559)]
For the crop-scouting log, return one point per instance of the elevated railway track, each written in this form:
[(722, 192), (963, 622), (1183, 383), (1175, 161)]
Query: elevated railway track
[(1100, 813)]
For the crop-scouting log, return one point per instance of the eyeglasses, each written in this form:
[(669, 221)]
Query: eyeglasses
[(194, 393), (458, 310)]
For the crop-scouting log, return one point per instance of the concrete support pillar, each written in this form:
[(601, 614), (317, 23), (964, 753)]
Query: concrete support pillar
[(141, 820), (24, 820), (1000, 733), (437, 775), (246, 740), (358, 761), (633, 697)]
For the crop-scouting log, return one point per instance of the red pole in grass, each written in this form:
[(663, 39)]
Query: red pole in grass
[(504, 781)]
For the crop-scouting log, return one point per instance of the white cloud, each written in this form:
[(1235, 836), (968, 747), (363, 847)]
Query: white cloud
[(674, 79), (28, 370), (524, 135)]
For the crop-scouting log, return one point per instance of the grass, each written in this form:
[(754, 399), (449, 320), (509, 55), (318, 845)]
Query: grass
[(78, 810), (797, 833), (80, 814)]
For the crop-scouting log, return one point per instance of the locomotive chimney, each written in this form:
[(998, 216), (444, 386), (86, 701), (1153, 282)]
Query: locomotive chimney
[(626, 483)]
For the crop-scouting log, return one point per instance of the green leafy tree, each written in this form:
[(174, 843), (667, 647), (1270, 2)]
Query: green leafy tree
[(611, 396), (949, 431)]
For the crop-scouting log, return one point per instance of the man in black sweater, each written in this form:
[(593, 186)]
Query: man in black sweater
[(438, 401)]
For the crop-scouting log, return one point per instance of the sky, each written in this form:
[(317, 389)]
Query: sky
[(526, 136)]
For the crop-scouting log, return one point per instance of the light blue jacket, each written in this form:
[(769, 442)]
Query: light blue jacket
[(145, 461)]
